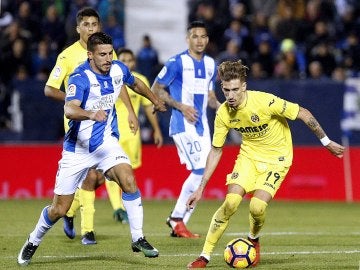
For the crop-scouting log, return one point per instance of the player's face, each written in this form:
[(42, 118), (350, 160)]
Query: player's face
[(87, 27), (128, 60), (234, 92), (101, 58), (197, 40)]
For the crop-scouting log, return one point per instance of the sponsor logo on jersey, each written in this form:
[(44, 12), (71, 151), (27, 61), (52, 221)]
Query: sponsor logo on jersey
[(71, 91), (253, 132), (271, 102), (234, 120), (106, 102)]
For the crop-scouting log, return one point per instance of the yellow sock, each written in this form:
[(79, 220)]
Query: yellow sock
[(87, 201), (75, 205), (114, 193), (256, 216), (220, 221)]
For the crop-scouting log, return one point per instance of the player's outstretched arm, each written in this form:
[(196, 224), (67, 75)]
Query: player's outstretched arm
[(54, 93), (152, 117), (132, 119), (189, 112), (141, 88), (211, 163), (310, 120)]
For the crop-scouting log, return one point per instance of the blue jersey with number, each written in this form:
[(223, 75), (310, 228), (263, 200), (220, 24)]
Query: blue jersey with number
[(96, 92), (189, 81)]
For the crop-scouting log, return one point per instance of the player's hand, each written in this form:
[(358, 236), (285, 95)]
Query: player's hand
[(159, 106), (158, 138), (336, 149), (98, 116), (193, 199), (133, 123), (190, 114)]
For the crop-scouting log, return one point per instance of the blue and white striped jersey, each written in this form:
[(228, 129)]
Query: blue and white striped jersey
[(96, 92), (189, 82)]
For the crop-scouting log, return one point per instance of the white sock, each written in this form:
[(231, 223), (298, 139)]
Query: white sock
[(189, 186), (134, 209), (43, 225)]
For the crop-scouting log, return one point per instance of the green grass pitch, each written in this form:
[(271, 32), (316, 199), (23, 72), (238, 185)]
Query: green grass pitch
[(296, 235)]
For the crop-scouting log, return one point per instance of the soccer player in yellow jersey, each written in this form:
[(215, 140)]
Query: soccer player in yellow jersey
[(130, 142), (88, 22), (265, 157)]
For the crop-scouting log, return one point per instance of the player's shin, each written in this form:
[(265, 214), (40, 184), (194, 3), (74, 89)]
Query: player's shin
[(256, 216), (134, 208), (220, 222), (43, 225), (87, 202)]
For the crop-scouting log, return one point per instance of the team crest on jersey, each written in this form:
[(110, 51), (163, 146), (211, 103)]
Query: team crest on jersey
[(234, 175), (57, 72), (255, 118), (117, 80), (71, 90), (162, 72)]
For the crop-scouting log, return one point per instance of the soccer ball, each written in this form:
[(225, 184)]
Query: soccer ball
[(239, 253)]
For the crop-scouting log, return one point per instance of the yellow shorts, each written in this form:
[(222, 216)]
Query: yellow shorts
[(132, 147), (252, 175)]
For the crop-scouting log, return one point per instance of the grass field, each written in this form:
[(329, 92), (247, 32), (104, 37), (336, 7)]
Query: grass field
[(297, 235)]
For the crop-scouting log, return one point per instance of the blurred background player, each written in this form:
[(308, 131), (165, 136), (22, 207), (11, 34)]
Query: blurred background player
[(265, 157), (130, 142), (88, 22), (186, 83)]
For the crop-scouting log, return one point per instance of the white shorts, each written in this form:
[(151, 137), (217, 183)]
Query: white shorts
[(192, 149), (73, 167)]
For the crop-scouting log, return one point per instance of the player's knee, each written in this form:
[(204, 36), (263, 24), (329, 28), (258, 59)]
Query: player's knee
[(128, 184), (91, 181), (257, 207), (57, 211), (231, 203)]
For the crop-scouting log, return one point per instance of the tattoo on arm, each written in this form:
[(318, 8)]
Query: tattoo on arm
[(167, 98), (314, 125)]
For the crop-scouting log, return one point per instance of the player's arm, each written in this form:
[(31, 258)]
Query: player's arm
[(141, 88), (189, 112), (132, 119), (310, 120), (158, 138), (54, 93), (212, 100), (212, 162), (73, 111)]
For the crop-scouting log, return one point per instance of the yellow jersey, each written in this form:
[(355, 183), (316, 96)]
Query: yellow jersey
[(129, 142), (261, 121), (66, 62)]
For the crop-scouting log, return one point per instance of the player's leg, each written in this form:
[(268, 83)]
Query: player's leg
[(92, 181), (180, 215), (192, 150), (69, 228), (273, 176), (67, 180), (114, 193), (124, 176), (48, 217)]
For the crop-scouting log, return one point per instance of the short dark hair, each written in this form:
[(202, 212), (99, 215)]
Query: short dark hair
[(196, 24), (125, 50), (98, 39), (86, 12)]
